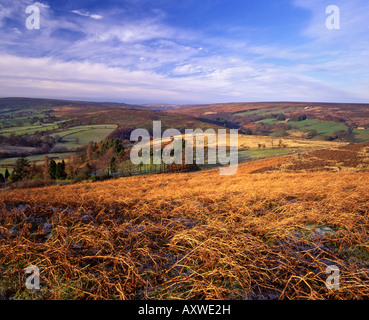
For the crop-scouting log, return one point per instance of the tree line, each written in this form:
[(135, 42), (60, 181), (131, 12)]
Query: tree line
[(24, 170)]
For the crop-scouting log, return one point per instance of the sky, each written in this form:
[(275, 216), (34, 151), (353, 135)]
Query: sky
[(185, 52)]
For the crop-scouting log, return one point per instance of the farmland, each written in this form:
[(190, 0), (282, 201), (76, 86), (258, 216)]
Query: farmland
[(72, 125), (322, 128), (318, 121), (74, 137), (29, 129), (36, 127), (362, 135), (353, 113)]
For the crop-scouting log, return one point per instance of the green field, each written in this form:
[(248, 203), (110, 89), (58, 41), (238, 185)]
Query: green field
[(268, 121), (361, 135), (76, 136), (322, 128), (25, 121), (30, 129)]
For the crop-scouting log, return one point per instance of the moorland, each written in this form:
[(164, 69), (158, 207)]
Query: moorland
[(99, 228)]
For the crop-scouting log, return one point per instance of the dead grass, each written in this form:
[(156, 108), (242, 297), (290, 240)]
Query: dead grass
[(350, 157), (190, 236), (252, 142)]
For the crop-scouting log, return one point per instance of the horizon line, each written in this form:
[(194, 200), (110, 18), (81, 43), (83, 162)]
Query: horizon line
[(186, 104)]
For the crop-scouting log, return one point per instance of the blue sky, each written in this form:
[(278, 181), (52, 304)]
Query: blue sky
[(204, 51)]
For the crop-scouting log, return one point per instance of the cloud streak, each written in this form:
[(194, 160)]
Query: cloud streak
[(87, 14)]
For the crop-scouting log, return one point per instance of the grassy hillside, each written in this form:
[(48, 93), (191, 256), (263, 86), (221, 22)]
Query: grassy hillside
[(191, 236)]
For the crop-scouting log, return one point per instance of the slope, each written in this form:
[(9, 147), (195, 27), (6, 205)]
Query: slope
[(191, 236)]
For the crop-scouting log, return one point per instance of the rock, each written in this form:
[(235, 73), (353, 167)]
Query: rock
[(320, 232), (47, 227), (49, 236), (324, 230), (13, 231), (87, 218)]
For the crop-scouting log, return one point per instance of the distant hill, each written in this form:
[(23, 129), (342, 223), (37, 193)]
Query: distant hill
[(41, 104), (126, 116), (162, 107), (352, 112)]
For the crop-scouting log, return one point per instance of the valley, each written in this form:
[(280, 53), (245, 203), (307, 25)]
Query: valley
[(99, 227)]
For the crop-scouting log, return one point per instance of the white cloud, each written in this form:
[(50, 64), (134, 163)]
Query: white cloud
[(42, 5), (87, 14), (188, 69), (47, 77)]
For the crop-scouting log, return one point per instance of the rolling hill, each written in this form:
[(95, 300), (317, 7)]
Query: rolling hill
[(89, 113), (356, 113)]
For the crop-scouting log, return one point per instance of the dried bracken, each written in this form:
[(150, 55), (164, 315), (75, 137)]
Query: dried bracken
[(190, 236)]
